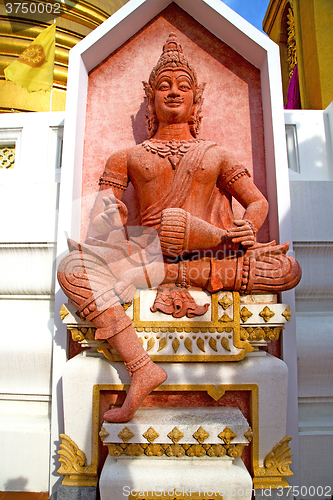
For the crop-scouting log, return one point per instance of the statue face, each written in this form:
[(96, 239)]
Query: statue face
[(173, 96)]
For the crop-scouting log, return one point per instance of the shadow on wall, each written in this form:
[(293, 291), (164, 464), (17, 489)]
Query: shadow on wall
[(16, 484)]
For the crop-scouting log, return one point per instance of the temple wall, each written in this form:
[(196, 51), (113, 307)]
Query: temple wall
[(311, 204), (28, 204)]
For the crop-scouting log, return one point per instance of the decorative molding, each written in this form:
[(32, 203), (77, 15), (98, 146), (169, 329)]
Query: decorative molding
[(276, 466), (224, 339), (175, 450), (73, 465)]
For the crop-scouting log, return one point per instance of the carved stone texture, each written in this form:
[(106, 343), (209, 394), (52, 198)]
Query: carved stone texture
[(184, 186)]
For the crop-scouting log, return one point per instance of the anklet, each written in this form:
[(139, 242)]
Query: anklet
[(137, 363)]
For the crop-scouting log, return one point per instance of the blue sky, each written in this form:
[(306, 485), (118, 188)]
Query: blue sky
[(252, 10)]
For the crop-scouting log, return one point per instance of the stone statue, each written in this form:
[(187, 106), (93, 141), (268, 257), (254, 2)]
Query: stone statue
[(188, 235)]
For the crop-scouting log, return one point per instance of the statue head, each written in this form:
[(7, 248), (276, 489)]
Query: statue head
[(173, 59)]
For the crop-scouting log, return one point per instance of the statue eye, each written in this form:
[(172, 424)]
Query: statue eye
[(163, 86)]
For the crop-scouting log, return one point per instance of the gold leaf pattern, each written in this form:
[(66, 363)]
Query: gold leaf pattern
[(212, 343), (196, 450), (245, 314), (201, 344), (162, 344), (225, 302), (217, 450), (188, 344), (154, 450), (225, 343), (150, 344), (175, 450), (235, 450), (175, 344)]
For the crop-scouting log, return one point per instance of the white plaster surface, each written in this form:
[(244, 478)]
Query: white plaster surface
[(121, 476), (269, 373)]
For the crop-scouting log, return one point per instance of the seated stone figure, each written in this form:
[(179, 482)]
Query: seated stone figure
[(184, 187)]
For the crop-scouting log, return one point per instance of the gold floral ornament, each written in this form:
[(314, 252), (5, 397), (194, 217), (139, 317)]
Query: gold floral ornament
[(125, 434), (72, 459), (287, 313), (245, 314), (7, 157), (278, 460), (63, 312), (225, 318), (150, 435), (249, 434), (175, 435), (225, 302), (200, 435), (227, 435), (266, 314), (103, 433)]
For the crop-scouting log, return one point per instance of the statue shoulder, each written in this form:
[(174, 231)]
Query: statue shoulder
[(117, 160)]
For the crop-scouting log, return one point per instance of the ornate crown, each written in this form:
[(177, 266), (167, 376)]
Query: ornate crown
[(172, 58)]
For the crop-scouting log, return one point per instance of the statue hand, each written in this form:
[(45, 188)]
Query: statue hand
[(114, 216), (243, 233)]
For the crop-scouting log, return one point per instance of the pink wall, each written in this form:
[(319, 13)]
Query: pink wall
[(115, 116)]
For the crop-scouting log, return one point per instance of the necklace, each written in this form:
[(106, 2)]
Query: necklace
[(173, 150)]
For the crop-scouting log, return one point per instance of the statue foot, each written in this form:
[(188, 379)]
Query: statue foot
[(269, 269), (144, 381), (139, 277)]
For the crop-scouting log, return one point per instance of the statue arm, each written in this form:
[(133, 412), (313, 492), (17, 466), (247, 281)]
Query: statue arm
[(109, 211), (236, 180)]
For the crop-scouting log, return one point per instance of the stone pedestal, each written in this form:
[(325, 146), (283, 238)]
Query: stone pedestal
[(154, 478)]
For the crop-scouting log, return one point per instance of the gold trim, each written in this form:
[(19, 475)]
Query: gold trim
[(265, 333), (176, 450), (224, 324)]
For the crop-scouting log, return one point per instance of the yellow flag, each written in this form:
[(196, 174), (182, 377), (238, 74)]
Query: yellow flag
[(33, 69)]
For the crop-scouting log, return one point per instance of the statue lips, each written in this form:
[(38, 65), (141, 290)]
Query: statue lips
[(173, 102)]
